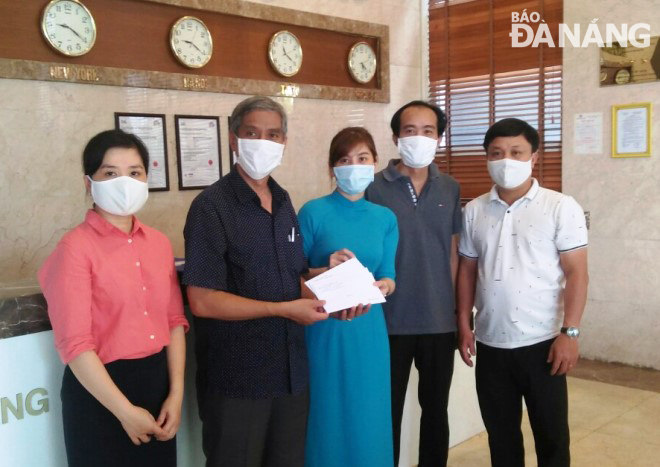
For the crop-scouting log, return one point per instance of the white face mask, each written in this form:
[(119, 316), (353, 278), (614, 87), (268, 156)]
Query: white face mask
[(259, 157), (509, 173), (354, 179), (417, 151), (122, 196)]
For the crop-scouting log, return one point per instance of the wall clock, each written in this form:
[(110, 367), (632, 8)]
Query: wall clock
[(285, 53), (362, 62), (191, 42), (68, 27)]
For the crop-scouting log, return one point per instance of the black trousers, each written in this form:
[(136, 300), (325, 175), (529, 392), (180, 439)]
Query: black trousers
[(433, 355), (254, 432), (94, 437), (506, 376)]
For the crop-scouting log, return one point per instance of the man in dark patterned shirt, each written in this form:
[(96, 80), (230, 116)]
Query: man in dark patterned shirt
[(244, 260)]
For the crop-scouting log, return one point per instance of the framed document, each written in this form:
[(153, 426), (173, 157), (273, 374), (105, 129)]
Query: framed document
[(197, 151), (150, 128), (631, 130)]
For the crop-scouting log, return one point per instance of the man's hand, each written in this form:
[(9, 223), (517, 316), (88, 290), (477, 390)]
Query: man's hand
[(304, 311), (563, 355), (466, 345)]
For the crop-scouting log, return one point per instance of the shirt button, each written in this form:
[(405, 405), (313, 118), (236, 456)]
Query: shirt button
[(146, 313), (144, 287), (137, 263), (130, 240), (152, 337), (508, 212)]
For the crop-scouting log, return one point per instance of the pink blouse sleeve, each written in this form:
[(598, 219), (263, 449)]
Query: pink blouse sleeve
[(175, 316), (65, 280)]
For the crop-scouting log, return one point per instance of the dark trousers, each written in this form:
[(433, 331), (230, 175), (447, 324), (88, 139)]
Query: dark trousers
[(95, 437), (433, 355), (506, 376), (254, 432)]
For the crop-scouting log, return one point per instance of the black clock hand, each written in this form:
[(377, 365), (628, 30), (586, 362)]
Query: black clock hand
[(66, 26), (287, 55), (193, 44)]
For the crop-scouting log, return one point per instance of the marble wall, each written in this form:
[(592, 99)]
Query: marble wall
[(621, 319), (45, 125)]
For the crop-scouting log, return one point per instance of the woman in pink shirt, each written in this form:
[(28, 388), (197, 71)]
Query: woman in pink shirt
[(117, 315)]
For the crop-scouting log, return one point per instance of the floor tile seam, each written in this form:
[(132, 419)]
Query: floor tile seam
[(621, 385), (635, 436), (619, 437)]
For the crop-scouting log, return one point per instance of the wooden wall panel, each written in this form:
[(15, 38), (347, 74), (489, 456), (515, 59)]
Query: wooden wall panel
[(134, 35)]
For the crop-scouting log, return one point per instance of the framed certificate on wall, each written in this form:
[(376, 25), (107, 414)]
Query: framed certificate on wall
[(631, 130), (150, 128), (197, 151)]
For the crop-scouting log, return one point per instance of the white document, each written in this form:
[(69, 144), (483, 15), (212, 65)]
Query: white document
[(588, 133), (631, 130), (345, 286)]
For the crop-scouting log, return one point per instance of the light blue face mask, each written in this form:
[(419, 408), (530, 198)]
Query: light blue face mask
[(354, 179)]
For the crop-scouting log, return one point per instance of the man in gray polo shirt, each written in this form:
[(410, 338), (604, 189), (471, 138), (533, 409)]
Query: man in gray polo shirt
[(420, 316)]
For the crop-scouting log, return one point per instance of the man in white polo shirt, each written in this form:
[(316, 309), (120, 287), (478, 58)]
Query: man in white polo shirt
[(524, 266)]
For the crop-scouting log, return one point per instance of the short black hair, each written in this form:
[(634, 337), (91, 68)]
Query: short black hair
[(395, 123), (512, 127), (95, 150)]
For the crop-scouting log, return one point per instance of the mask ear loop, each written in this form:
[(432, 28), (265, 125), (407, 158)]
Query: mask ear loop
[(88, 190)]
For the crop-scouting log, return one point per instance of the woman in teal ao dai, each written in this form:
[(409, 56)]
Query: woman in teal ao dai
[(350, 422)]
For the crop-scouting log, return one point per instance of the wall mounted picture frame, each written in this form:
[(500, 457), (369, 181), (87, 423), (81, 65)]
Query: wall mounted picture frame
[(150, 128), (631, 130), (197, 151)]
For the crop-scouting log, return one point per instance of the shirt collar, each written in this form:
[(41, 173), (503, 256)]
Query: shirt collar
[(246, 194), (102, 226), (530, 195), (391, 173)]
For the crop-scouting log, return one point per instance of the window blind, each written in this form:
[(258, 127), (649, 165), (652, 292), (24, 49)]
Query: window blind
[(478, 79)]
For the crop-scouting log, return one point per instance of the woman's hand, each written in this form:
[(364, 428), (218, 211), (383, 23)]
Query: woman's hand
[(349, 313), (140, 425), (170, 416), (340, 256), (386, 286)]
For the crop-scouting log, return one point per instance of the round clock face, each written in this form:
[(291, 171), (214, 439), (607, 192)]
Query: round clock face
[(622, 77), (68, 27), (285, 53), (191, 42), (362, 62)]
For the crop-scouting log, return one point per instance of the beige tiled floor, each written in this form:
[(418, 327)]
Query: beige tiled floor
[(611, 426)]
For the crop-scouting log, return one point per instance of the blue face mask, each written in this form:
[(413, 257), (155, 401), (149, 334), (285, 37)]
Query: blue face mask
[(354, 179)]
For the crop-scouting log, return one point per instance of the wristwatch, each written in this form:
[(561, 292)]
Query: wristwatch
[(571, 332)]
